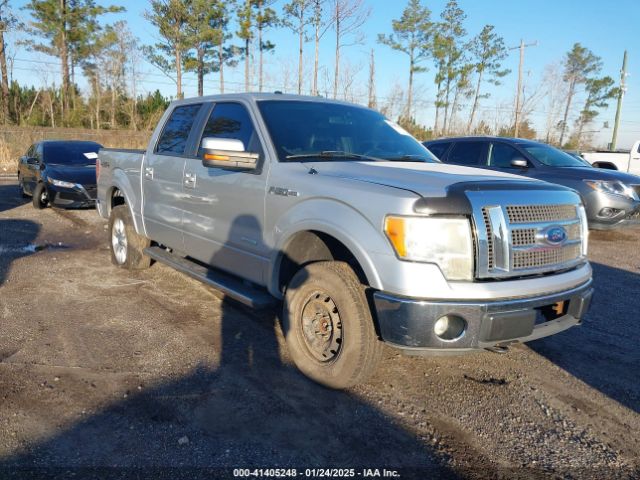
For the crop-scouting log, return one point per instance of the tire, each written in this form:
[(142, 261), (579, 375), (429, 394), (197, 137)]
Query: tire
[(40, 196), (125, 245), (328, 326)]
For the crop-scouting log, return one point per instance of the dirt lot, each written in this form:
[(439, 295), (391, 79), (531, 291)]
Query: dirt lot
[(104, 373)]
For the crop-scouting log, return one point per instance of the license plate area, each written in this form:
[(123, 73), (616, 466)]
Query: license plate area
[(547, 313)]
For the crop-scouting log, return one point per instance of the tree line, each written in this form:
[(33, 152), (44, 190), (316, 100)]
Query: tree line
[(206, 37)]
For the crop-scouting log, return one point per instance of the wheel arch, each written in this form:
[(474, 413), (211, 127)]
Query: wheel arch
[(319, 243)]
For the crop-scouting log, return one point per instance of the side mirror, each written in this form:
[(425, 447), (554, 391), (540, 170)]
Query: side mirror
[(519, 163), (32, 161), (605, 165), (227, 153)]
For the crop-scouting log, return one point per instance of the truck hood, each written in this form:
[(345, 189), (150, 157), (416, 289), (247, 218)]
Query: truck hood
[(424, 179)]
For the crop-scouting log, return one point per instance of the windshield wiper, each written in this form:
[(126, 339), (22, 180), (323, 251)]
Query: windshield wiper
[(331, 154)]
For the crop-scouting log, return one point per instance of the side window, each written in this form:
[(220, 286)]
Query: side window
[(438, 149), (502, 154), (467, 153), (38, 151), (232, 120), (31, 151), (176, 131)]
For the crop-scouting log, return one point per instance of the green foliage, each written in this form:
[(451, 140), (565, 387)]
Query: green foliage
[(419, 131), (411, 34)]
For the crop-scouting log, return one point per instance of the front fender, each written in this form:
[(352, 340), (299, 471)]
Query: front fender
[(338, 220)]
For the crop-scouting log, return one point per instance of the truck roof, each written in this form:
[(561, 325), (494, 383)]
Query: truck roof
[(258, 96)]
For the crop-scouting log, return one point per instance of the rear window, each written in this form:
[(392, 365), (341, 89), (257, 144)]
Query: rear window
[(67, 153), (176, 131), (467, 153), (438, 149)]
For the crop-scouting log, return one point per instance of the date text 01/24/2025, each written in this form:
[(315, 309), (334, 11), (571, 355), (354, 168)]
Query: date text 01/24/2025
[(315, 473)]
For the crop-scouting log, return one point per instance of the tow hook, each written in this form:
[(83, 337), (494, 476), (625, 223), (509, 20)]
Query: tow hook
[(501, 349)]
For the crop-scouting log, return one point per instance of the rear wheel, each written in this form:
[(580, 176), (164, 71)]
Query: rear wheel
[(127, 247), (328, 326), (40, 196)]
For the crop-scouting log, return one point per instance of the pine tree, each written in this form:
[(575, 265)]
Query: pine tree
[(297, 19), (448, 52), (411, 35), (599, 92), (65, 26), (488, 52), (8, 22), (579, 64), (265, 18), (171, 18)]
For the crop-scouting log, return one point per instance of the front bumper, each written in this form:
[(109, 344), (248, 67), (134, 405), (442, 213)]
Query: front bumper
[(77, 197), (626, 211), (408, 323)]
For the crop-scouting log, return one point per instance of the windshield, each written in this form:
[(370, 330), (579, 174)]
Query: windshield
[(71, 153), (334, 132), (554, 157)]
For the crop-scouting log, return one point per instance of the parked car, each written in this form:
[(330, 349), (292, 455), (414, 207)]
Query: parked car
[(623, 161), (353, 224), (60, 173), (611, 198)]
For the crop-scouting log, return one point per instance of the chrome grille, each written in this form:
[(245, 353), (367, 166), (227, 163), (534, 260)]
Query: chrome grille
[(544, 257), (487, 225), (523, 236), (517, 239), (540, 213)]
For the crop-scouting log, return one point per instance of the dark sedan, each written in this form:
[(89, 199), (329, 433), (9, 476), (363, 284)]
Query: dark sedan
[(60, 173), (611, 198)]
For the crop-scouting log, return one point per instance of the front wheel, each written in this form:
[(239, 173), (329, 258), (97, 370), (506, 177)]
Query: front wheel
[(127, 247), (40, 196), (328, 326)]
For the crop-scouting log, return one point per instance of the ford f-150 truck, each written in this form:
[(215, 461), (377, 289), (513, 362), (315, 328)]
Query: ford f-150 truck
[(349, 222)]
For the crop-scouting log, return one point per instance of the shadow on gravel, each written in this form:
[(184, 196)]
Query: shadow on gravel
[(10, 196), (16, 241), (604, 351), (252, 411)]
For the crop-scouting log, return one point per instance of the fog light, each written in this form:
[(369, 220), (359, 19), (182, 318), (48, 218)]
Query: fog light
[(449, 327), (609, 212)]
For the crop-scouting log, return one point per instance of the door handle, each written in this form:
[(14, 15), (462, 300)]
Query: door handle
[(148, 172), (190, 180)]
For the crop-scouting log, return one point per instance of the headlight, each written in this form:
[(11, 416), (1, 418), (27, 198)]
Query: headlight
[(614, 188), (444, 241), (60, 183)]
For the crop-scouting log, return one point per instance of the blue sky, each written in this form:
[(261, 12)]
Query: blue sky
[(607, 28)]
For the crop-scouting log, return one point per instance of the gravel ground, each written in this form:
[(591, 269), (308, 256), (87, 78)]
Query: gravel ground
[(105, 373)]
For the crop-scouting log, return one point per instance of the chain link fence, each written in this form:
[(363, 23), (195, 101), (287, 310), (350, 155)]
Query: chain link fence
[(14, 141)]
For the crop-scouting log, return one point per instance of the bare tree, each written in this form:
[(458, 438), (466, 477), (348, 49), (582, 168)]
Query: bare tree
[(372, 103), (555, 90), (347, 18), (320, 27), (297, 20)]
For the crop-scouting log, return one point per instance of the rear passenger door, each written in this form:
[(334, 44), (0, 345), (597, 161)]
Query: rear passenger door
[(472, 153), (162, 173)]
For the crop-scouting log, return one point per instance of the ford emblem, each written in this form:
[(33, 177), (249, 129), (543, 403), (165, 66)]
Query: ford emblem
[(555, 236)]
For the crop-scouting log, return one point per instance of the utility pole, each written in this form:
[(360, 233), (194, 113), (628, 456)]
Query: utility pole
[(621, 92), (521, 47)]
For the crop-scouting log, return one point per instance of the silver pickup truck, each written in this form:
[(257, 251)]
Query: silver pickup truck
[(349, 222)]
